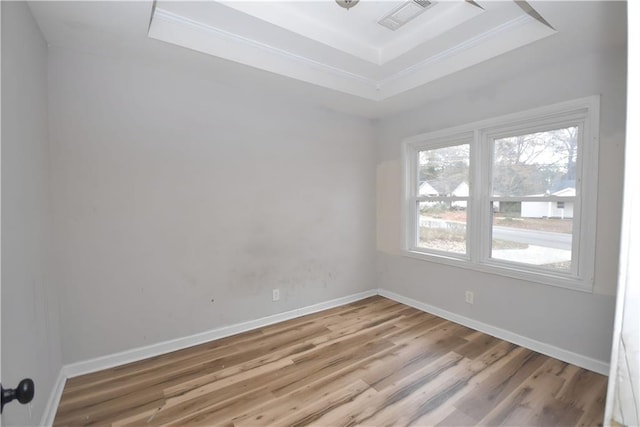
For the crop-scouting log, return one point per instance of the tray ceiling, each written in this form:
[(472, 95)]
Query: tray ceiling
[(348, 50)]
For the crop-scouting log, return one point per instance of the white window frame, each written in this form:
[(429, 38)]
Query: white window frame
[(584, 112)]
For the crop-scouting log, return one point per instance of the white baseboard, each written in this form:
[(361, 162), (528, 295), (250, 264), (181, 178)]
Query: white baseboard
[(50, 410), (594, 365), (136, 354)]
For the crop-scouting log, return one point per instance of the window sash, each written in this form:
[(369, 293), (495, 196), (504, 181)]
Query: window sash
[(572, 272), (416, 235), (534, 199), (439, 198), (488, 140)]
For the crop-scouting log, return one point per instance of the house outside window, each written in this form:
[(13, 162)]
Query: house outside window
[(514, 195)]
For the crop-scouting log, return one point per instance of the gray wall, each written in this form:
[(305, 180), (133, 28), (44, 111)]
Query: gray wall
[(30, 336), (181, 202), (575, 321)]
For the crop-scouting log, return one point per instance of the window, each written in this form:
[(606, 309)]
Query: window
[(515, 195)]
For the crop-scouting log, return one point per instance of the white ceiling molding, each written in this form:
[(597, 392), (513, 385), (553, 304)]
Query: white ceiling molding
[(171, 17), (499, 40), (216, 29), (204, 38)]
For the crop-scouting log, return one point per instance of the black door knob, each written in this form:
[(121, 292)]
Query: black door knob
[(23, 393)]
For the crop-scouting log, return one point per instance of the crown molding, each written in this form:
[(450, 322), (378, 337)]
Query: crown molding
[(233, 37), (459, 48), (183, 31)]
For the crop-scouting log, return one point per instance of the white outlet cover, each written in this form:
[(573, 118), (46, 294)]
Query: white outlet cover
[(468, 297)]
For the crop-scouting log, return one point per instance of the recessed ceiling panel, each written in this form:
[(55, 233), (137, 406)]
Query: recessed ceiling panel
[(348, 50)]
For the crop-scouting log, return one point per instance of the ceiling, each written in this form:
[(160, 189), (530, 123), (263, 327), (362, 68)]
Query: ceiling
[(337, 58), (348, 50)]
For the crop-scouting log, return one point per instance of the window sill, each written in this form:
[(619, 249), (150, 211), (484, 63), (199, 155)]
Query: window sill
[(571, 283)]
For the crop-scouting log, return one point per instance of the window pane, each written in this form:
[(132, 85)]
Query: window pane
[(536, 164), (520, 236), (444, 171), (443, 226)]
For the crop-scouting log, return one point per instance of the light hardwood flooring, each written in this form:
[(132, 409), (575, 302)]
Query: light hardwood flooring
[(374, 362)]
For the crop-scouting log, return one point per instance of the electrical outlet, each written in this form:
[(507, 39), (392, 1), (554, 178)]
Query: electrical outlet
[(468, 297), (276, 294)]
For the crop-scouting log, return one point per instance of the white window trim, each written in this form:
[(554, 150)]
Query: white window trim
[(586, 111)]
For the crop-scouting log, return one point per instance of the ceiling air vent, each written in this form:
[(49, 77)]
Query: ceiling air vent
[(423, 3), (404, 13)]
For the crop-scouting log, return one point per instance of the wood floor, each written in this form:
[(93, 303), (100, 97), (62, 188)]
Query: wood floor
[(374, 362)]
